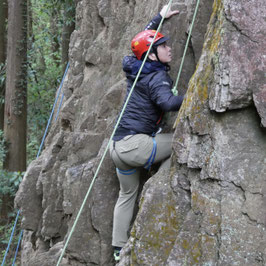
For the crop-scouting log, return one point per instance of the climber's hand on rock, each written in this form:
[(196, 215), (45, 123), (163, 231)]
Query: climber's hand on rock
[(169, 13)]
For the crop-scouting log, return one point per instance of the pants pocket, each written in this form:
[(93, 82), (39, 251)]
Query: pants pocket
[(127, 144), (135, 151)]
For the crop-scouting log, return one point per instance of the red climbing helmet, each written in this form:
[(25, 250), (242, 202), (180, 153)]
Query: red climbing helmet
[(141, 42)]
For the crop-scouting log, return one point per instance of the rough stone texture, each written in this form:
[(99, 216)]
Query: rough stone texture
[(217, 181), (208, 208)]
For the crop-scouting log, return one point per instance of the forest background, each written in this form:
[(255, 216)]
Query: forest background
[(34, 41)]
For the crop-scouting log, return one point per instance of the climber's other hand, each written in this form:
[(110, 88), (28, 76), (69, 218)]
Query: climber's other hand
[(169, 13)]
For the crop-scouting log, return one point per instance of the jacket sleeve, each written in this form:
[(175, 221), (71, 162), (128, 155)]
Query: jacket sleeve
[(161, 94), (154, 23)]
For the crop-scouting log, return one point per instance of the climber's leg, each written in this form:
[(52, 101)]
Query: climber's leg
[(136, 150), (128, 154), (164, 146), (124, 208)]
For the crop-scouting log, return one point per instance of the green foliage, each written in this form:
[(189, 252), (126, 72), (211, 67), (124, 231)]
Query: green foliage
[(2, 74), (2, 147), (9, 183), (5, 233), (44, 76), (45, 71)]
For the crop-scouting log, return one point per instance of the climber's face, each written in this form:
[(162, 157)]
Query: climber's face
[(164, 53)]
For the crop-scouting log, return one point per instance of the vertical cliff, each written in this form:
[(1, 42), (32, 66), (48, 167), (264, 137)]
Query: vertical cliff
[(209, 207)]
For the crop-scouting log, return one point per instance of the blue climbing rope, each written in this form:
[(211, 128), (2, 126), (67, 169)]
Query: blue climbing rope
[(51, 116), (10, 239), (20, 237), (59, 107), (39, 151)]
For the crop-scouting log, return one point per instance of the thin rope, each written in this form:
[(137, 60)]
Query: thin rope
[(51, 116), (40, 148), (59, 107), (11, 237), (174, 90), (117, 123), (20, 236)]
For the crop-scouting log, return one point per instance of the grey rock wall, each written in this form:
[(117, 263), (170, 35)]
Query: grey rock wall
[(216, 185), (208, 207)]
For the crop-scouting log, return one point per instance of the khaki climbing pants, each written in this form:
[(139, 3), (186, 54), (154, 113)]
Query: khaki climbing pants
[(129, 154)]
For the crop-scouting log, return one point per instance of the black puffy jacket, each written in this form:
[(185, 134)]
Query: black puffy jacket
[(151, 97)]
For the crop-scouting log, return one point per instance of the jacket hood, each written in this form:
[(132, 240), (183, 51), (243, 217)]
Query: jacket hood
[(131, 66)]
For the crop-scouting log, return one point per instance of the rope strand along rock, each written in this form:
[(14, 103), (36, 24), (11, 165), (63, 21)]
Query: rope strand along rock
[(106, 150), (174, 90)]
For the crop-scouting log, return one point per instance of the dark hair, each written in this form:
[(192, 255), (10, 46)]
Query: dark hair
[(153, 50)]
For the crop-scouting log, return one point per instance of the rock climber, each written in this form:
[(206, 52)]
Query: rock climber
[(137, 142)]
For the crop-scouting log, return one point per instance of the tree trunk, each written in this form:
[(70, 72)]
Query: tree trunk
[(15, 126), (68, 28), (3, 18)]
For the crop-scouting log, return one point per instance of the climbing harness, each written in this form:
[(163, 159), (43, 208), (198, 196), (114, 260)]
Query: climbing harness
[(126, 172), (147, 165), (150, 161), (118, 121), (39, 151)]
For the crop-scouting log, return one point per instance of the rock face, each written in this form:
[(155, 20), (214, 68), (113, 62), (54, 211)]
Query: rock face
[(209, 207)]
